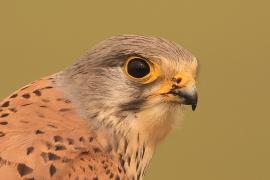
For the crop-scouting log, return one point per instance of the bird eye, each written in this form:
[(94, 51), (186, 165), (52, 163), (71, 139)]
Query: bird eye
[(138, 68)]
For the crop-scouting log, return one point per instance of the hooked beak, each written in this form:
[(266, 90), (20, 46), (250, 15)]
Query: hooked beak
[(188, 95), (181, 89)]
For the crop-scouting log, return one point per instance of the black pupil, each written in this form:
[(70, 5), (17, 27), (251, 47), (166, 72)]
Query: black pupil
[(138, 68)]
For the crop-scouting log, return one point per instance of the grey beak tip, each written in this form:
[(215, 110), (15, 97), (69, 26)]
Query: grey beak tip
[(188, 97), (194, 107)]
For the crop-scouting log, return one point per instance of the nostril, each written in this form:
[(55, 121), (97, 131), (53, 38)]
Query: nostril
[(178, 80)]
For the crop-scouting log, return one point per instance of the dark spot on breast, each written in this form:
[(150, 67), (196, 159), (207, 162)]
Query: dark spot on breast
[(129, 160), (137, 153), (48, 87), (105, 166), (26, 104), (29, 150), (59, 99), (53, 157), (64, 110), (37, 92), (95, 178), (24, 169), (70, 141), (52, 126), (39, 132), (2, 134), (43, 106), (91, 139), (3, 123), (90, 167), (137, 165), (14, 96), (13, 110), (111, 175), (67, 101), (117, 177), (119, 170), (52, 170), (122, 161), (143, 151), (139, 175), (125, 145), (5, 104), (82, 168), (60, 147), (81, 139), (58, 139), (26, 96), (4, 115)]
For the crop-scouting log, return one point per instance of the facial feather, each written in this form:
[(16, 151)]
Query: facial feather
[(100, 87)]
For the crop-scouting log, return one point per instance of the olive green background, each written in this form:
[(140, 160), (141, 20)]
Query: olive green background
[(227, 138)]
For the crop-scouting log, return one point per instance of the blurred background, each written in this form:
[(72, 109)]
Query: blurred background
[(228, 137)]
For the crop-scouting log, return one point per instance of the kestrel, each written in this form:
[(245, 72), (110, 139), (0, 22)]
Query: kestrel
[(102, 117)]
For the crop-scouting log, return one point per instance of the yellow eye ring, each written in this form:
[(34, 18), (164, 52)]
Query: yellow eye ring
[(140, 69)]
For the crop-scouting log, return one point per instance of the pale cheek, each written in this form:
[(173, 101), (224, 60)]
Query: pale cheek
[(161, 117)]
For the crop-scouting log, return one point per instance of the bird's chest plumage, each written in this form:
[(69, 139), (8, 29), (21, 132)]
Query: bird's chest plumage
[(132, 153), (43, 137)]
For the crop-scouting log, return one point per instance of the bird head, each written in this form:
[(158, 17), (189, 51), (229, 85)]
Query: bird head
[(134, 83)]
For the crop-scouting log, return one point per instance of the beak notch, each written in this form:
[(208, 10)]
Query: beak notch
[(188, 95)]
